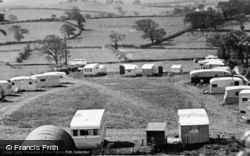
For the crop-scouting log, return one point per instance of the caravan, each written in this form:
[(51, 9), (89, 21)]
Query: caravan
[(94, 69), (6, 87), (152, 70), (88, 128), (130, 70), (176, 68), (244, 96), (217, 85), (231, 95), (25, 83), (206, 74), (47, 79)]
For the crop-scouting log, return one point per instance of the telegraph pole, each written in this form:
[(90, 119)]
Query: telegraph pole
[(66, 51), (247, 54)]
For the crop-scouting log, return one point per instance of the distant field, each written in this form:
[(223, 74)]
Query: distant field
[(8, 72), (37, 30), (8, 56), (161, 54)]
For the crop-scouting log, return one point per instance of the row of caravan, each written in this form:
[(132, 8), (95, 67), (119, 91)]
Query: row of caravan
[(32, 83)]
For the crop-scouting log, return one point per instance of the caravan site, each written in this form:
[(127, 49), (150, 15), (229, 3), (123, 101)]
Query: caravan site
[(90, 73)]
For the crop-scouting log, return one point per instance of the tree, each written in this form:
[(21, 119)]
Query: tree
[(116, 37), (12, 18), (55, 48), (76, 15), (67, 30), (18, 32), (232, 45), (150, 29)]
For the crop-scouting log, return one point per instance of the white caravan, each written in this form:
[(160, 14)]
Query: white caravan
[(206, 74), (24, 83), (217, 85), (231, 95), (244, 96), (47, 79), (88, 128)]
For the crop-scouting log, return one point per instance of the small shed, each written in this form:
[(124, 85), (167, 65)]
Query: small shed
[(156, 131), (244, 96), (152, 70), (231, 95), (50, 135), (176, 68), (217, 85), (6, 86), (129, 70), (25, 83), (193, 126), (88, 128)]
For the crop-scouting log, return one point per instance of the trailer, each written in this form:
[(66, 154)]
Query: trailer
[(88, 128), (206, 74), (47, 79), (231, 95), (217, 85), (244, 96), (130, 70), (24, 83)]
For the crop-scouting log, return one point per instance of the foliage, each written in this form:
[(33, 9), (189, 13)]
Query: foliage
[(232, 45), (137, 2), (25, 54), (204, 19), (234, 7), (116, 37), (75, 14), (12, 18), (18, 32), (151, 30), (55, 48), (67, 30)]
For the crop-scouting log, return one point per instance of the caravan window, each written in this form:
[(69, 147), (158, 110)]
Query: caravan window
[(244, 99), (236, 83), (194, 129), (214, 85), (95, 132), (237, 93), (13, 83), (75, 132), (30, 83), (42, 80), (83, 132)]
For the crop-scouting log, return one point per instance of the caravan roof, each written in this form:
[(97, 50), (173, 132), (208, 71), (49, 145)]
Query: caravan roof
[(237, 87), (208, 70), (176, 66), (213, 62), (90, 66), (87, 119), (193, 117), (211, 57), (156, 126), (147, 66), (216, 79), (4, 81), (129, 66), (245, 92), (21, 78)]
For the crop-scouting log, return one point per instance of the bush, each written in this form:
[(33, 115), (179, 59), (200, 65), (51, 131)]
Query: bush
[(24, 55)]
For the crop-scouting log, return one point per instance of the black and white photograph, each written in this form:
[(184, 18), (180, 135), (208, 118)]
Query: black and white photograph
[(125, 77)]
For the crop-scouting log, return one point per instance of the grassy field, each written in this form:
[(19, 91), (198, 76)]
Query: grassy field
[(37, 30), (130, 103), (161, 54)]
